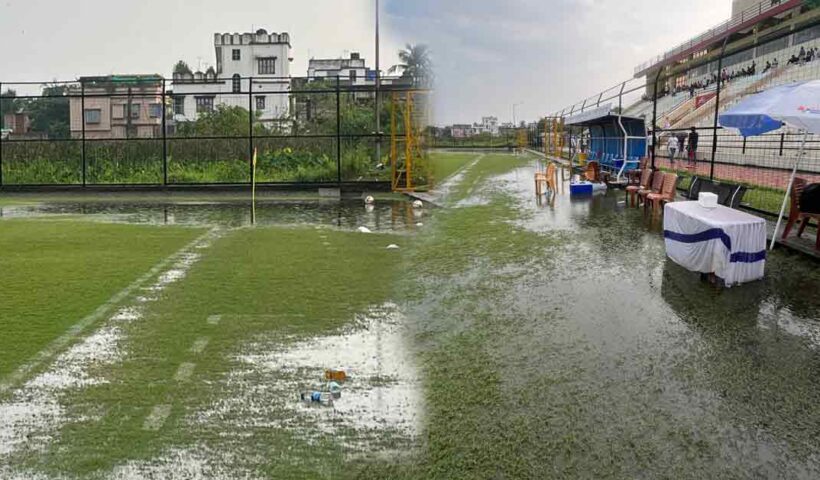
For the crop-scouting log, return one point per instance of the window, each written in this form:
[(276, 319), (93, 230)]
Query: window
[(93, 116), (260, 103), (353, 75), (179, 105), (155, 110), (135, 111), (235, 54), (204, 104), (267, 66), (118, 112), (237, 84)]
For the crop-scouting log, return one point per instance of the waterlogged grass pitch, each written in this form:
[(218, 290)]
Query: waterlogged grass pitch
[(503, 338)]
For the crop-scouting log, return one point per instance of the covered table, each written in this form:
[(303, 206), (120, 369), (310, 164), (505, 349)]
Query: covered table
[(727, 242)]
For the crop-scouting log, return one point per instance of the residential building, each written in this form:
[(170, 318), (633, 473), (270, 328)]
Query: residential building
[(488, 125), (17, 123), (462, 131), (259, 59), (351, 70), (117, 106)]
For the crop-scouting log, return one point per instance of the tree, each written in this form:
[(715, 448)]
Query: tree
[(224, 120), (415, 65), (50, 113), (182, 68), (8, 104)]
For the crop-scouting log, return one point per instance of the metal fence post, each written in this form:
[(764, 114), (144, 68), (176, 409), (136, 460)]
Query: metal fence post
[(717, 109), (655, 115), (338, 131), (782, 141), (82, 120), (250, 130), (164, 138)]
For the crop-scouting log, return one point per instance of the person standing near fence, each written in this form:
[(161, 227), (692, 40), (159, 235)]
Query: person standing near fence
[(672, 146), (693, 149)]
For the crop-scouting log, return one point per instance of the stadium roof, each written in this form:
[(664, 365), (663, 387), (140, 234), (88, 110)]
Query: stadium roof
[(741, 21), (598, 116)]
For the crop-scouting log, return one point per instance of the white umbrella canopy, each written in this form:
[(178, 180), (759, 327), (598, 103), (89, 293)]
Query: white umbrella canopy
[(796, 105)]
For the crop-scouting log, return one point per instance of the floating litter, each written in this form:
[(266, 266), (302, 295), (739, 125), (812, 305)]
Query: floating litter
[(393, 247), (419, 224), (364, 230), (336, 375), (418, 204), (369, 200)]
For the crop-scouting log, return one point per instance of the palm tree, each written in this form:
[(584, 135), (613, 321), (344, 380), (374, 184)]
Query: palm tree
[(415, 65)]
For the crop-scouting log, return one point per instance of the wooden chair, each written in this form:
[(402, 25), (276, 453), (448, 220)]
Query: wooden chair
[(655, 187), (667, 193), (634, 176), (796, 215), (548, 178), (643, 184)]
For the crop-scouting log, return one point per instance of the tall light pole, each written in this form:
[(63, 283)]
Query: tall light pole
[(515, 105), (378, 87)]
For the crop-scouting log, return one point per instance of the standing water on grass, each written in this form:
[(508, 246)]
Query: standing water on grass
[(622, 364), (384, 215)]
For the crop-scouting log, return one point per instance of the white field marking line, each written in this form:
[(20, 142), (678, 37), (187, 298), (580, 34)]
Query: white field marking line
[(77, 329), (199, 345), (156, 419), (185, 372), (469, 167), (444, 186), (461, 170), (214, 319)]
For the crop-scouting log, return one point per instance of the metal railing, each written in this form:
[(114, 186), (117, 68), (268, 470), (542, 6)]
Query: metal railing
[(718, 32)]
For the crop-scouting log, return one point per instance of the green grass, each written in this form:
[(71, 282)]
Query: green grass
[(443, 165), (54, 273), (488, 167), (279, 281), (765, 199), (515, 382)]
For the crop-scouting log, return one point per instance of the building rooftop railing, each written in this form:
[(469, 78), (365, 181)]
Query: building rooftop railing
[(754, 13)]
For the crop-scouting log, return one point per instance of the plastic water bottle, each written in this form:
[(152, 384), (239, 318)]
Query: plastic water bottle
[(335, 390), (324, 398)]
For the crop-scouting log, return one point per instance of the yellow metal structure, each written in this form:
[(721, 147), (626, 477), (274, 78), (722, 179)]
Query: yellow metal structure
[(406, 139)]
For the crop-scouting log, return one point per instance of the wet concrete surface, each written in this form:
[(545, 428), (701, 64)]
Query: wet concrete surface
[(385, 215)]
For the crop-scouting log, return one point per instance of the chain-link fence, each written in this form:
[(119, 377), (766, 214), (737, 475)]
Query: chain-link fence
[(147, 130), (680, 103)]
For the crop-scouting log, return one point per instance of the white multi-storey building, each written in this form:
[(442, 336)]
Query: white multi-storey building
[(351, 70), (489, 125), (259, 59)]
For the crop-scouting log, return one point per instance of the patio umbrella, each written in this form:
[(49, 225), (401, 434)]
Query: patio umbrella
[(795, 105)]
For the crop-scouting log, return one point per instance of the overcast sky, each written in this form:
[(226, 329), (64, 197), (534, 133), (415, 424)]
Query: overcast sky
[(546, 54), (489, 54)]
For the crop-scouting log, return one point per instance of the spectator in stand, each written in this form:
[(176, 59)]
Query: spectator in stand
[(672, 146), (693, 149), (802, 55), (767, 67), (692, 91), (753, 68), (793, 60)]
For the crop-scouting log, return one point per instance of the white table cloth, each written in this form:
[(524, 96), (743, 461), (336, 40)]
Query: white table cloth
[(727, 242)]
